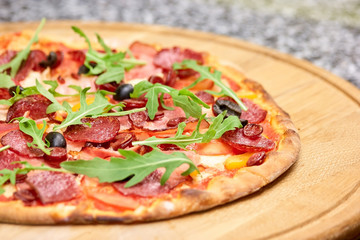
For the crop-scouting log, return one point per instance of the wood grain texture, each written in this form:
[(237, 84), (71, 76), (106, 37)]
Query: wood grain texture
[(318, 198)]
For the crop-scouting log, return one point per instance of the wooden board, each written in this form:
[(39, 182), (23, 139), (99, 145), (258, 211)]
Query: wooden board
[(318, 198)]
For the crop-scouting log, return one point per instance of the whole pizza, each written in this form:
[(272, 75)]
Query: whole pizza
[(96, 134)]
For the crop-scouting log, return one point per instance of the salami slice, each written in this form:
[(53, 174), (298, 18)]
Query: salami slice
[(54, 186), (36, 105), (168, 56), (57, 156), (4, 93), (6, 159), (103, 129), (238, 140), (17, 140), (254, 114)]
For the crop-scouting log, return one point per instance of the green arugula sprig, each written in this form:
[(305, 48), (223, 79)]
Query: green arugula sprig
[(217, 128), (15, 63), (110, 65), (133, 166), (215, 76), (5, 81), (7, 174), (28, 126), (185, 99), (99, 108)]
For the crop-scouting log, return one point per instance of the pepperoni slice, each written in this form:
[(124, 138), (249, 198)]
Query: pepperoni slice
[(139, 118), (150, 186), (205, 97), (57, 156), (6, 158), (167, 57), (4, 93), (103, 129), (17, 140), (35, 104), (31, 63), (254, 114), (238, 140), (54, 186), (122, 141)]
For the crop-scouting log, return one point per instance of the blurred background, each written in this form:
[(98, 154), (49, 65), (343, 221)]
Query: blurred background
[(326, 33)]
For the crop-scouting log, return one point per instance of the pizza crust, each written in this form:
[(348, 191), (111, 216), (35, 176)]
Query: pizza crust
[(220, 190)]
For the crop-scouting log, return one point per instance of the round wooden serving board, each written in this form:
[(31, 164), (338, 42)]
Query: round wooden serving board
[(317, 198)]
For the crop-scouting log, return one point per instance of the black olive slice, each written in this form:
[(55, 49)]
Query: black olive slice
[(231, 108)]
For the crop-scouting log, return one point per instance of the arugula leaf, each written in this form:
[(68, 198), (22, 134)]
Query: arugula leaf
[(205, 73), (96, 108), (7, 174), (185, 99), (110, 65), (28, 126), (55, 106), (4, 148), (5, 81), (135, 166), (15, 63), (218, 127)]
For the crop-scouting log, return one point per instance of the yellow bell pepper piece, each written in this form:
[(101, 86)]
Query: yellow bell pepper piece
[(237, 161)]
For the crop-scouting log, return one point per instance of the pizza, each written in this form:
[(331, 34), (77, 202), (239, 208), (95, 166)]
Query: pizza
[(96, 134)]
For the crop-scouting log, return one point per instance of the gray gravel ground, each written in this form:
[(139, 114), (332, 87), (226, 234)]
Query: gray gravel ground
[(326, 33)]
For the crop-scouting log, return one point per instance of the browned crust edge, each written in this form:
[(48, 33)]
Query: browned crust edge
[(221, 189)]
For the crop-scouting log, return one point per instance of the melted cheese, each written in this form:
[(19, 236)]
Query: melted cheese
[(213, 161)]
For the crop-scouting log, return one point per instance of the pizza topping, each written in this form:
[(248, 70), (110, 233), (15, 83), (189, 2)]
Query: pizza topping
[(156, 79), (15, 90), (253, 130), (122, 141), (138, 119), (36, 105), (134, 103), (31, 63), (205, 97), (51, 60), (167, 57), (134, 166), (238, 140), (218, 127), (29, 127), (123, 92), (15, 62), (55, 139), (125, 123), (185, 99), (18, 142), (215, 76), (54, 186), (110, 65), (97, 130), (254, 114), (57, 155), (174, 122), (6, 159), (150, 186), (256, 159), (231, 108)]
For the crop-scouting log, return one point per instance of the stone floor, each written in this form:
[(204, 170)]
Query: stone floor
[(326, 33)]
